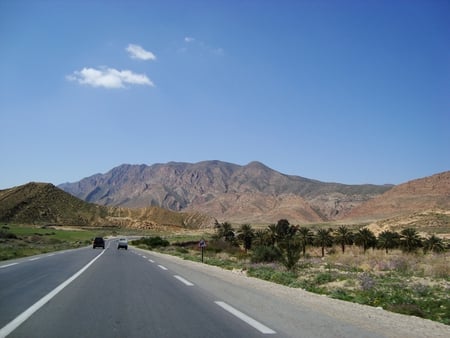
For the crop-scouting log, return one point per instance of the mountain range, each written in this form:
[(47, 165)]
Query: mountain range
[(254, 193), (197, 195)]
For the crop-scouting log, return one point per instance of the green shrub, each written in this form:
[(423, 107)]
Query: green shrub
[(151, 242), (7, 235), (223, 263), (270, 274), (220, 245), (182, 250), (325, 277), (265, 254), (341, 294), (284, 278), (407, 309), (262, 272)]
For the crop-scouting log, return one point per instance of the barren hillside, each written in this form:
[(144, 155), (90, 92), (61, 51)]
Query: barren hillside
[(411, 197), (45, 204), (225, 191)]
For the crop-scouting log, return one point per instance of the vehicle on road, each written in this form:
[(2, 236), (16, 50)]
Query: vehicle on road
[(99, 242), (122, 244)]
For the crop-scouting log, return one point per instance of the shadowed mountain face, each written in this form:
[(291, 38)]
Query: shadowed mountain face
[(226, 191), (38, 203), (45, 204)]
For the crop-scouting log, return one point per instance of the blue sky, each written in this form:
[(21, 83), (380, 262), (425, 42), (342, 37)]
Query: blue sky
[(339, 91)]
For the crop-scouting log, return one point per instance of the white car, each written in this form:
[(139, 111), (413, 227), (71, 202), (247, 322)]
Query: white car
[(122, 243)]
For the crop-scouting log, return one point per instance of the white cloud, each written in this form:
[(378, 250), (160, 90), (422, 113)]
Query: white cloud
[(137, 52), (189, 39), (109, 78)]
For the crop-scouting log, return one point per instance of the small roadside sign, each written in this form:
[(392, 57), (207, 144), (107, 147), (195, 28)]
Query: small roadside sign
[(202, 245)]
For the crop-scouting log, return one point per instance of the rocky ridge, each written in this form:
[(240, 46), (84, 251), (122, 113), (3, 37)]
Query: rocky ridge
[(225, 191)]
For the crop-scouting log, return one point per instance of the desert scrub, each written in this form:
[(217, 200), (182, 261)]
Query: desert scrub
[(325, 277), (413, 284), (151, 242), (223, 263), (397, 294), (272, 274)]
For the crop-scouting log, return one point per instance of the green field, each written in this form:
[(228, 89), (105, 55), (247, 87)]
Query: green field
[(26, 240), (20, 241)]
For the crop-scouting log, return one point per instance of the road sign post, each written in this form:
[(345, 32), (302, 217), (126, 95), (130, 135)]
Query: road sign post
[(202, 245)]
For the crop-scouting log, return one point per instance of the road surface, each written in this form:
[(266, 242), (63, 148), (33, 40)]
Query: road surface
[(135, 293)]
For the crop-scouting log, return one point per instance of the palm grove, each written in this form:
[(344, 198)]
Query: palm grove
[(286, 243)]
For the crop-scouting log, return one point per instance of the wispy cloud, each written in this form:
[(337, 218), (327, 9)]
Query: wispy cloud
[(109, 78), (137, 52), (201, 45)]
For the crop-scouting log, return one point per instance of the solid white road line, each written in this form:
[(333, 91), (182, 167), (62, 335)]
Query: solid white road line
[(242, 316), (181, 279), (8, 265), (34, 259), (163, 267), (15, 323)]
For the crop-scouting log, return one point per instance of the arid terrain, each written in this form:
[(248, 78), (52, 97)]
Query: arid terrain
[(255, 193)]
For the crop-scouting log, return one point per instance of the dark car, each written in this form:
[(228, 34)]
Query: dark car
[(98, 242)]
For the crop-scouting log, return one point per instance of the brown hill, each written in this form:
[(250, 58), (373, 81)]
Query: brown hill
[(433, 221), (38, 203), (257, 208), (225, 191), (427, 193), (43, 203)]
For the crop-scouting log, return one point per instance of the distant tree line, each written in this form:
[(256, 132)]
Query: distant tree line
[(287, 243)]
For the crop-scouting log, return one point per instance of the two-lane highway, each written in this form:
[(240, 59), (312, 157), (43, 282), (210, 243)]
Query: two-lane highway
[(122, 294), (136, 293)]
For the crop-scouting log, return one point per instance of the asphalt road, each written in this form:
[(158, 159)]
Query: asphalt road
[(138, 294)]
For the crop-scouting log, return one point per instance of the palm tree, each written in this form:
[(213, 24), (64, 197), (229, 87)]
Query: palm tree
[(290, 249), (306, 237), (225, 230), (410, 240), (433, 244), (323, 239), (388, 240), (365, 238), (246, 235), (272, 233), (343, 236), (262, 238), (284, 230)]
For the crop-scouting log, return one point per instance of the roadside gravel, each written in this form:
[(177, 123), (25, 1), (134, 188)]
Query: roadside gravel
[(386, 323)]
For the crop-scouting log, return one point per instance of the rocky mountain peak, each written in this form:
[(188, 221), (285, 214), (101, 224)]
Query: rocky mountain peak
[(226, 191)]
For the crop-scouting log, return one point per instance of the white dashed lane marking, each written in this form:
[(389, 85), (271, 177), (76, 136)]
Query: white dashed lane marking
[(184, 281), (242, 316), (8, 265)]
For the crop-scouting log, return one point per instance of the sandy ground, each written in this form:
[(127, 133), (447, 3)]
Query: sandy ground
[(388, 323)]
